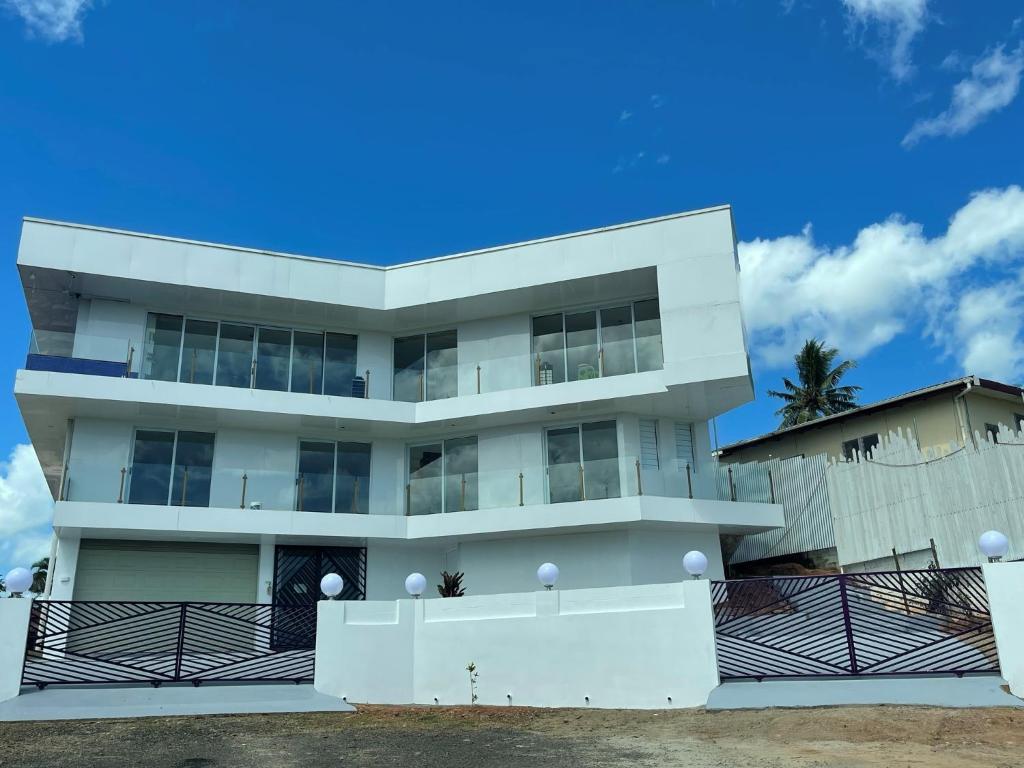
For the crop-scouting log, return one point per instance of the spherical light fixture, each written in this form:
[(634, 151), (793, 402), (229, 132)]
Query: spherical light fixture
[(331, 585), (547, 575), (18, 580), (415, 583), (695, 563), (994, 545)]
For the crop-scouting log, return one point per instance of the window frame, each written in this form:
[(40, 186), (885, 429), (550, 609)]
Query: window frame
[(545, 458), (444, 471), (334, 474), (127, 494)]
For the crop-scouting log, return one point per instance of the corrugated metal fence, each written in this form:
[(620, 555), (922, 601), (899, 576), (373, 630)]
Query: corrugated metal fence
[(799, 485)]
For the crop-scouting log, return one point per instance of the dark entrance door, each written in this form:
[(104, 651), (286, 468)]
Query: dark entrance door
[(297, 574)]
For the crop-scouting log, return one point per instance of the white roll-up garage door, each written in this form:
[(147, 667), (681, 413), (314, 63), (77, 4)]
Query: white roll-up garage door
[(174, 571)]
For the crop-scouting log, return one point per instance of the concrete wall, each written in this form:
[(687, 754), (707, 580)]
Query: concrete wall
[(647, 647), (1005, 585), (14, 618)]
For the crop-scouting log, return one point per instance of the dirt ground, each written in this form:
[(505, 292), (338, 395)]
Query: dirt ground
[(485, 737)]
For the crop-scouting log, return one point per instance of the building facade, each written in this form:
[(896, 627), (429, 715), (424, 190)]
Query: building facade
[(227, 424)]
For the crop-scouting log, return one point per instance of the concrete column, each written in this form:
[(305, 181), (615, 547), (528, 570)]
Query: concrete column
[(1004, 583), (63, 584)]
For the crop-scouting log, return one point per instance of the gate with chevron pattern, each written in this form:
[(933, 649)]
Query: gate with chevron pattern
[(890, 623)]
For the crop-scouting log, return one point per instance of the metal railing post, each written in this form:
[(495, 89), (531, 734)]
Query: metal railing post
[(462, 494), (689, 481), (129, 360), (639, 482), (355, 496), (179, 651), (847, 623), (245, 482), (366, 391), (478, 379), (184, 486), (302, 487), (120, 492), (583, 486), (408, 499), (520, 489)]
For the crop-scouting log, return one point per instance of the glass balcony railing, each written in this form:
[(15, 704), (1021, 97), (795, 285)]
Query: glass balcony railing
[(92, 479), (92, 354)]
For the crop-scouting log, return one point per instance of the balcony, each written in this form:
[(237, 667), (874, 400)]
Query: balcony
[(63, 352)]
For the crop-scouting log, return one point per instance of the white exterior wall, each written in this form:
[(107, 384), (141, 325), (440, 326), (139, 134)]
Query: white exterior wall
[(1004, 583), (649, 647), (14, 619)]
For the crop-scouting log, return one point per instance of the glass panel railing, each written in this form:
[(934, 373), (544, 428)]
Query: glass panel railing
[(93, 354)]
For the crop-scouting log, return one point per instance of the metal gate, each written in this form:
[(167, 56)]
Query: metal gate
[(72, 642), (889, 623)]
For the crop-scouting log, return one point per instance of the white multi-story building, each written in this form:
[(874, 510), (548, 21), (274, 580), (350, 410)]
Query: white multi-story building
[(227, 424)]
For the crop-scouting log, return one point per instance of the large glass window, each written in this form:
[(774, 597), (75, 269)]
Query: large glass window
[(308, 362), (647, 318), (340, 364), (609, 342), (199, 352), (426, 366), (583, 462), (280, 359), (333, 477), (548, 349), (443, 477), (171, 468), (234, 355), (162, 348)]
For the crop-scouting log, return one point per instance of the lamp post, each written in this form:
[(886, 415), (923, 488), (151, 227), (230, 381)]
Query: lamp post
[(695, 563), (18, 580), (331, 585), (994, 545), (415, 583), (547, 575)]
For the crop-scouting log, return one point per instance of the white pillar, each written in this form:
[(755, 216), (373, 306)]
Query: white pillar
[(14, 618), (63, 580), (1004, 583)]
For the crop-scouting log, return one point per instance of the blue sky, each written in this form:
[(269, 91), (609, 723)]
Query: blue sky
[(871, 150)]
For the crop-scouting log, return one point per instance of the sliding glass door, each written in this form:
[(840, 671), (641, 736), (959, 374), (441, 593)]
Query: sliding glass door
[(240, 355), (171, 467), (443, 477), (583, 462), (426, 367), (612, 341), (333, 477)]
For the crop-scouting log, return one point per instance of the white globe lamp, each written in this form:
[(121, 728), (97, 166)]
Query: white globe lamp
[(331, 585), (415, 583), (547, 575), (18, 580), (695, 563), (994, 545)]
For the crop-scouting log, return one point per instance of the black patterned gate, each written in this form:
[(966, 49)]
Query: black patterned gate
[(889, 623), (297, 574)]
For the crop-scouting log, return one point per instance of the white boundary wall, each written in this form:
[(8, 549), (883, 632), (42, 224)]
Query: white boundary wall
[(640, 647), (1005, 585), (14, 618)]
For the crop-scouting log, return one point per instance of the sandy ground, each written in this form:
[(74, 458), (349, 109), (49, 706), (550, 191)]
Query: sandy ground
[(485, 737)]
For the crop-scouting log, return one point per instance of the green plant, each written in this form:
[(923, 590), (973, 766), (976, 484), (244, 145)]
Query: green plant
[(39, 569), (473, 675), (818, 393), (452, 586)]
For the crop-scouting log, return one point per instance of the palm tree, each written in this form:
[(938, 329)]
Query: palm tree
[(39, 569), (818, 393)]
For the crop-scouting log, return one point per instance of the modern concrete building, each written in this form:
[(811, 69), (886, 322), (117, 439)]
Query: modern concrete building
[(227, 424)]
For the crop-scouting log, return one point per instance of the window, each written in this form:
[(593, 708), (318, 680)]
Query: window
[(583, 462), (684, 445), (171, 468), (239, 355), (862, 445), (586, 345), (442, 477), (649, 444), (1018, 420), (333, 477), (992, 432), (426, 366)]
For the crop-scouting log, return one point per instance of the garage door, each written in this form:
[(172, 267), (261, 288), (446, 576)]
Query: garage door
[(174, 571)]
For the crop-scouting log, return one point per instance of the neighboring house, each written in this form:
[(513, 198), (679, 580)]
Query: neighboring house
[(227, 424), (965, 414)]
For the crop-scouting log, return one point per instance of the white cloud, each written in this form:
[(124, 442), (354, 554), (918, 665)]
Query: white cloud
[(992, 85), (664, 159), (657, 101), (897, 23), (986, 330), (26, 509), (53, 20), (860, 296), (625, 115)]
